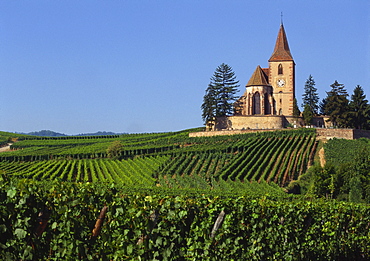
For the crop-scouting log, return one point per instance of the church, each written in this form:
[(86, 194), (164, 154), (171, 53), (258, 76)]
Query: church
[(267, 102)]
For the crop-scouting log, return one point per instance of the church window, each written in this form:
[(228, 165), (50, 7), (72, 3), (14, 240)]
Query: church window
[(280, 69), (256, 101), (280, 111), (267, 105)]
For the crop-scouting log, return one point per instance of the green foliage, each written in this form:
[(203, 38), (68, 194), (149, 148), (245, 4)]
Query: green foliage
[(296, 111), (307, 115), (343, 177), (220, 94), (172, 160), (359, 109), (337, 105), (310, 95), (115, 149), (151, 226)]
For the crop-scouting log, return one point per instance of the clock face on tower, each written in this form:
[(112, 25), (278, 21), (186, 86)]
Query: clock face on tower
[(280, 82)]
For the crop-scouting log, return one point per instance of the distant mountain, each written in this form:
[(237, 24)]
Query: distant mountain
[(49, 133)]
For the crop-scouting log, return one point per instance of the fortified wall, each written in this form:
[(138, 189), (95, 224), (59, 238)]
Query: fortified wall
[(261, 122), (348, 134)]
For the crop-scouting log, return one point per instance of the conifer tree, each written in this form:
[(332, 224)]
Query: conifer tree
[(296, 111), (322, 106), (307, 115), (359, 109), (220, 94), (337, 107), (310, 95)]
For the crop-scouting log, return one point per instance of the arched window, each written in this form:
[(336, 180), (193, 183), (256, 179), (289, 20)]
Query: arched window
[(280, 69), (281, 112), (267, 105), (256, 107)]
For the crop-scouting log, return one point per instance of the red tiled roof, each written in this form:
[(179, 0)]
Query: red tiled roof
[(258, 78), (281, 51), (267, 72)]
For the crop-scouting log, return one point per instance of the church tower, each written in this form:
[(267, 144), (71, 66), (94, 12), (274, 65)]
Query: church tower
[(282, 75)]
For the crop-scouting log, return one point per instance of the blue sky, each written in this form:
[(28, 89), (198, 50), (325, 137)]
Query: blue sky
[(143, 66)]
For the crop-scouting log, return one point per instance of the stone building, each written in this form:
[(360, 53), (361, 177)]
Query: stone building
[(267, 102)]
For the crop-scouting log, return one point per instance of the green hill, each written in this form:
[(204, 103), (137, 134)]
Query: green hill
[(172, 160), (165, 196)]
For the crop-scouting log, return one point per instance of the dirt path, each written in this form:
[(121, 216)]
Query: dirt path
[(322, 157), (6, 148)]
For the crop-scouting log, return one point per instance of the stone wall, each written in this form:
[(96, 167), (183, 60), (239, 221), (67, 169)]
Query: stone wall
[(224, 132), (335, 133), (241, 122), (250, 122), (349, 134)]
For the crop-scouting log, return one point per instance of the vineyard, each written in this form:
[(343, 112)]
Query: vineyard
[(165, 159), (50, 220), (167, 196)]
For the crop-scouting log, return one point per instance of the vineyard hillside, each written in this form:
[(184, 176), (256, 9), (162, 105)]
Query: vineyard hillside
[(169, 160), (168, 196)]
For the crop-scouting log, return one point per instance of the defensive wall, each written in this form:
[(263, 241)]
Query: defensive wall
[(321, 133), (261, 122)]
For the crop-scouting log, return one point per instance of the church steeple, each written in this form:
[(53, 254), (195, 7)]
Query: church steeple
[(281, 51)]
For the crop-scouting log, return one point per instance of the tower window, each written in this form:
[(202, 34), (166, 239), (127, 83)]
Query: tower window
[(280, 69)]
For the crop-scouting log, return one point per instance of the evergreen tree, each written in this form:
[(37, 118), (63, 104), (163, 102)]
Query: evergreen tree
[(307, 115), (337, 106), (322, 106), (220, 94), (296, 111), (359, 109), (310, 96), (209, 104)]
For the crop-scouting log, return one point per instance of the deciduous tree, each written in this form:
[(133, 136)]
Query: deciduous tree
[(115, 149)]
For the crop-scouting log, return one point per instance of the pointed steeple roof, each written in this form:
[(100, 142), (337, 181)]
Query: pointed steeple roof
[(258, 78), (281, 51)]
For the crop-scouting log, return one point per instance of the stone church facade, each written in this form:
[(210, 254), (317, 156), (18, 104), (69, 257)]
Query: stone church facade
[(267, 102)]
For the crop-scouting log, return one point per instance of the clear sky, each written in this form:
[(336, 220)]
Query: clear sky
[(143, 66)]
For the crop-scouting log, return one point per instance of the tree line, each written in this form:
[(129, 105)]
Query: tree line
[(220, 97), (342, 112)]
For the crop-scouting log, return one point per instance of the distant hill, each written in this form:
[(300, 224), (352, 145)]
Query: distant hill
[(99, 133), (46, 133), (49, 133)]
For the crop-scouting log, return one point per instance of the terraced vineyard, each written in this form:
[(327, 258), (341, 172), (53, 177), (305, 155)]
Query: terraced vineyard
[(165, 159)]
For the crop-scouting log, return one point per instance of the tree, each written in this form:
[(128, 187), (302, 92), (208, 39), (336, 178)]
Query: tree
[(337, 106), (322, 107), (359, 109), (307, 115), (114, 150), (296, 111), (310, 95), (220, 94), (209, 104)]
